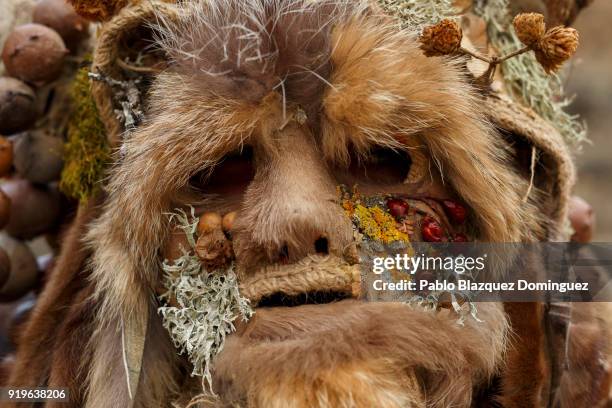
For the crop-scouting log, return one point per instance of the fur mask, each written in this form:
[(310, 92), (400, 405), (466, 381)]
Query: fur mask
[(310, 88)]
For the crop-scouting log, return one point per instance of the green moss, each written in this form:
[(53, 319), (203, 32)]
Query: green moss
[(87, 151)]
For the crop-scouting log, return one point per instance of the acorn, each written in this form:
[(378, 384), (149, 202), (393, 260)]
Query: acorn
[(228, 221), (5, 209), (60, 16), (34, 53), (455, 211), (34, 209), (17, 107), (431, 230), (23, 268), (209, 221), (38, 156), (397, 208)]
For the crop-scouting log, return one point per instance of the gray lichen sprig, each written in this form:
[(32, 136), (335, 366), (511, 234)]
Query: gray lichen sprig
[(200, 305), (552, 48), (416, 14)]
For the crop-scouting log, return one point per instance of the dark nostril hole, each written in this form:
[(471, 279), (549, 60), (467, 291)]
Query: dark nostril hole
[(322, 246), (283, 255)]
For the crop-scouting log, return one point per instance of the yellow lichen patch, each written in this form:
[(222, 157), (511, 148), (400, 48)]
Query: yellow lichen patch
[(376, 224), (349, 207)]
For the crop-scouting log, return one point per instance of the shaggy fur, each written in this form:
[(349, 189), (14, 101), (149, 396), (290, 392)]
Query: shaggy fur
[(245, 72), (524, 380), (357, 354)]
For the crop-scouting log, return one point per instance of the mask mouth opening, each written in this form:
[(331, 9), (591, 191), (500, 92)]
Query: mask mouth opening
[(316, 279), (313, 297)]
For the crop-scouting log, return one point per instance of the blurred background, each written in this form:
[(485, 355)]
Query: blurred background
[(590, 80)]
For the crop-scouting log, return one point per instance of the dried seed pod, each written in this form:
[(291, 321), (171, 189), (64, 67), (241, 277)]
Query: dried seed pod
[(209, 221), (34, 53), (17, 106), (6, 156), (34, 209), (60, 16), (214, 250), (98, 10), (38, 156), (529, 27), (443, 38), (228, 221), (5, 209), (23, 272), (556, 46)]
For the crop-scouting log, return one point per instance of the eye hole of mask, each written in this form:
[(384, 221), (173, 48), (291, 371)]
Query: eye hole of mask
[(381, 166), (232, 175)]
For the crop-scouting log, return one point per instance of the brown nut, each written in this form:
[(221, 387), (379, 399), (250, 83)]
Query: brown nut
[(38, 156), (582, 218), (60, 16), (17, 106), (209, 221), (228, 221), (5, 209), (24, 269), (34, 53), (6, 156), (33, 210), (5, 267)]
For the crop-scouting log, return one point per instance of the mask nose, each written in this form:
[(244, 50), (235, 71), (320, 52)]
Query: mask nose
[(291, 208)]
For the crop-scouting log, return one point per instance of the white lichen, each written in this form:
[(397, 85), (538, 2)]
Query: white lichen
[(200, 305)]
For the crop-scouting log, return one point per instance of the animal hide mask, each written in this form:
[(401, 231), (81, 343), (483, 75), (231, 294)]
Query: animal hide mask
[(282, 143)]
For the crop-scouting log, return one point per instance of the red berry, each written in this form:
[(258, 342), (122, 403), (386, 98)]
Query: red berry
[(397, 208), (460, 238), (431, 230), (455, 211)]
